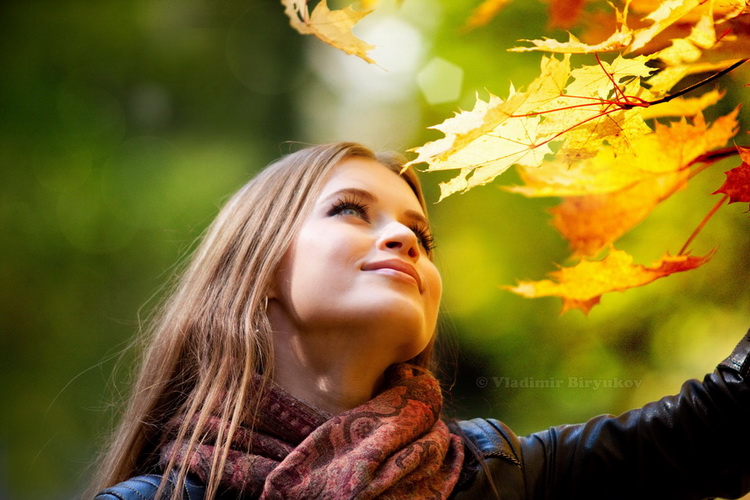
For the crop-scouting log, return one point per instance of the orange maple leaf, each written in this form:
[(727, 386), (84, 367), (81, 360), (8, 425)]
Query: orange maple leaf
[(582, 286), (624, 38), (737, 185), (592, 222), (565, 13), (619, 191), (681, 30), (484, 13)]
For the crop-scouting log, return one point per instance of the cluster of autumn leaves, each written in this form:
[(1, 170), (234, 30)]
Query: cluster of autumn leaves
[(612, 139)]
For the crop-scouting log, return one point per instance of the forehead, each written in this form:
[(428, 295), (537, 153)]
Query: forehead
[(374, 177)]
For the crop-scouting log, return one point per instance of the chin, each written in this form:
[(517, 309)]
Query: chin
[(401, 307), (411, 343)]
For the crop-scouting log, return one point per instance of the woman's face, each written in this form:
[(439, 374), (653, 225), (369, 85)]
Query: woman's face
[(361, 259)]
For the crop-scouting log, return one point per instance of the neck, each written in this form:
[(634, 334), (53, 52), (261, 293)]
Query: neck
[(325, 370), (333, 369)]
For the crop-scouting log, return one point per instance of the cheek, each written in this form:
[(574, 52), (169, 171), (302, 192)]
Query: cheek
[(323, 255), (435, 289)]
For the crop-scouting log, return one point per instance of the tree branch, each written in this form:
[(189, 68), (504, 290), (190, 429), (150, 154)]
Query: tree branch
[(694, 86)]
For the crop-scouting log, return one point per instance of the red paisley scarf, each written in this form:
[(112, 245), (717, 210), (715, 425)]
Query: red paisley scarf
[(393, 446)]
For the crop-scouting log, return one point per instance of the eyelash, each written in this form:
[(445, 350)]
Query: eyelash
[(423, 235), (350, 203)]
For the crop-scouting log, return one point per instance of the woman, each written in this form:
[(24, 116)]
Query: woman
[(292, 361)]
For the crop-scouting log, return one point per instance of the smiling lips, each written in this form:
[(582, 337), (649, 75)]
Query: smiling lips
[(395, 265)]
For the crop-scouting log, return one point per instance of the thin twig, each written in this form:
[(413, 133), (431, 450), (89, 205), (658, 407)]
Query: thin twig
[(715, 155), (611, 78), (703, 223), (629, 102)]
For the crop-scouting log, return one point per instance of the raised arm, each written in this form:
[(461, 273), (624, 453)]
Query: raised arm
[(693, 445)]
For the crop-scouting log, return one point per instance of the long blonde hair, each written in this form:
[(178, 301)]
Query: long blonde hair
[(212, 335)]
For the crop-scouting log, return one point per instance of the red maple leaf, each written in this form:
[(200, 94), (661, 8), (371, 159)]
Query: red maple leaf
[(737, 185)]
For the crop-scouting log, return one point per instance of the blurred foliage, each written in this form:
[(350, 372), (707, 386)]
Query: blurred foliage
[(123, 126)]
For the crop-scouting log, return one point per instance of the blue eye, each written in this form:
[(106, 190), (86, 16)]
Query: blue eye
[(350, 207), (349, 211)]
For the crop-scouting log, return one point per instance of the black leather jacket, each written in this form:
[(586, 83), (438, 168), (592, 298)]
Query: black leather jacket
[(690, 446)]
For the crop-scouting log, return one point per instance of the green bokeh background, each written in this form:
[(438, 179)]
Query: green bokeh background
[(123, 127)]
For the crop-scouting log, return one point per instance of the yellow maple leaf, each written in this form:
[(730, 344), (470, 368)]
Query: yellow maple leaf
[(598, 79), (662, 34), (721, 9), (671, 75), (484, 142), (718, 36), (667, 148), (368, 4), (580, 114), (607, 89), (333, 27), (703, 34), (667, 13), (686, 56), (582, 286), (619, 40)]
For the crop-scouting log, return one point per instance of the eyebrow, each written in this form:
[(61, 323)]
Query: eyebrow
[(371, 198)]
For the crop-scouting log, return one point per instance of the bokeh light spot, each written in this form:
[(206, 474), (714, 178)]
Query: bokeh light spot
[(440, 81)]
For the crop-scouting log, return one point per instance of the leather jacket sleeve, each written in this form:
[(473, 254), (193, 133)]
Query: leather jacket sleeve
[(693, 445), (144, 488)]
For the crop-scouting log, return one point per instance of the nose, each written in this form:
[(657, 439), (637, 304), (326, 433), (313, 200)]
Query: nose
[(398, 238)]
